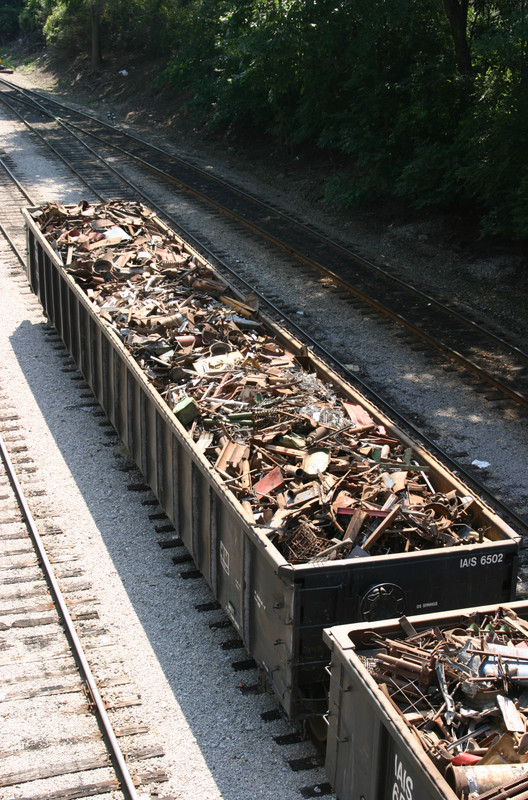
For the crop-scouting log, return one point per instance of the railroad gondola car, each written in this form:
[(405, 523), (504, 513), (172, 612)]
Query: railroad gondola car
[(278, 601), (431, 707)]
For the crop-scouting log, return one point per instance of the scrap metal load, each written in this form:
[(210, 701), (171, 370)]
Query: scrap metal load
[(317, 472), (463, 692)]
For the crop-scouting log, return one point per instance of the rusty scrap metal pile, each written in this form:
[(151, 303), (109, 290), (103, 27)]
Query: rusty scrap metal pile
[(316, 471), (463, 692)]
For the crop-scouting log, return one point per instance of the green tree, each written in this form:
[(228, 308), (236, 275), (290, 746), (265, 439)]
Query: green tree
[(9, 25), (422, 99), (91, 26)]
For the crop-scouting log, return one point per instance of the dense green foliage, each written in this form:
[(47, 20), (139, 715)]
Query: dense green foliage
[(9, 13), (422, 99)]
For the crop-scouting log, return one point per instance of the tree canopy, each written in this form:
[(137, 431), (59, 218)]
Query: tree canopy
[(421, 99)]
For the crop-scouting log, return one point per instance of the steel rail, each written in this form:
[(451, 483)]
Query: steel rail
[(15, 180), (484, 493), (448, 350), (3, 229), (455, 354), (118, 760), (138, 192), (12, 245), (51, 147)]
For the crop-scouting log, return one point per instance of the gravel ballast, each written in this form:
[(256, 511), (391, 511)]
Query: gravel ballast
[(216, 744)]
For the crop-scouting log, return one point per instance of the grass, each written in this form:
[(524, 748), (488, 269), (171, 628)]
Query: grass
[(17, 61), (6, 58)]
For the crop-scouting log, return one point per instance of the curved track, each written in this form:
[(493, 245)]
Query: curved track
[(494, 360), (111, 183)]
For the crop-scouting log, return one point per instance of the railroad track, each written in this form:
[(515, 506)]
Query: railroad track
[(501, 364), (52, 704), (117, 183), (65, 698), (13, 196)]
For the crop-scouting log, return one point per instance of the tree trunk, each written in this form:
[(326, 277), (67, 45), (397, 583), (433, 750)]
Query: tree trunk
[(456, 12), (96, 35), (523, 47)]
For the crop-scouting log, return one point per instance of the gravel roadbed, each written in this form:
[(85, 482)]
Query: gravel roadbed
[(216, 744)]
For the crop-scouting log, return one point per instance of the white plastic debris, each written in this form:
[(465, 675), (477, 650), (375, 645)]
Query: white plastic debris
[(123, 72), (480, 464), (116, 233)]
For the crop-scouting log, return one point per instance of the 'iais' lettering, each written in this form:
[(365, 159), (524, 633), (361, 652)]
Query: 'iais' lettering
[(403, 783), (468, 562)]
